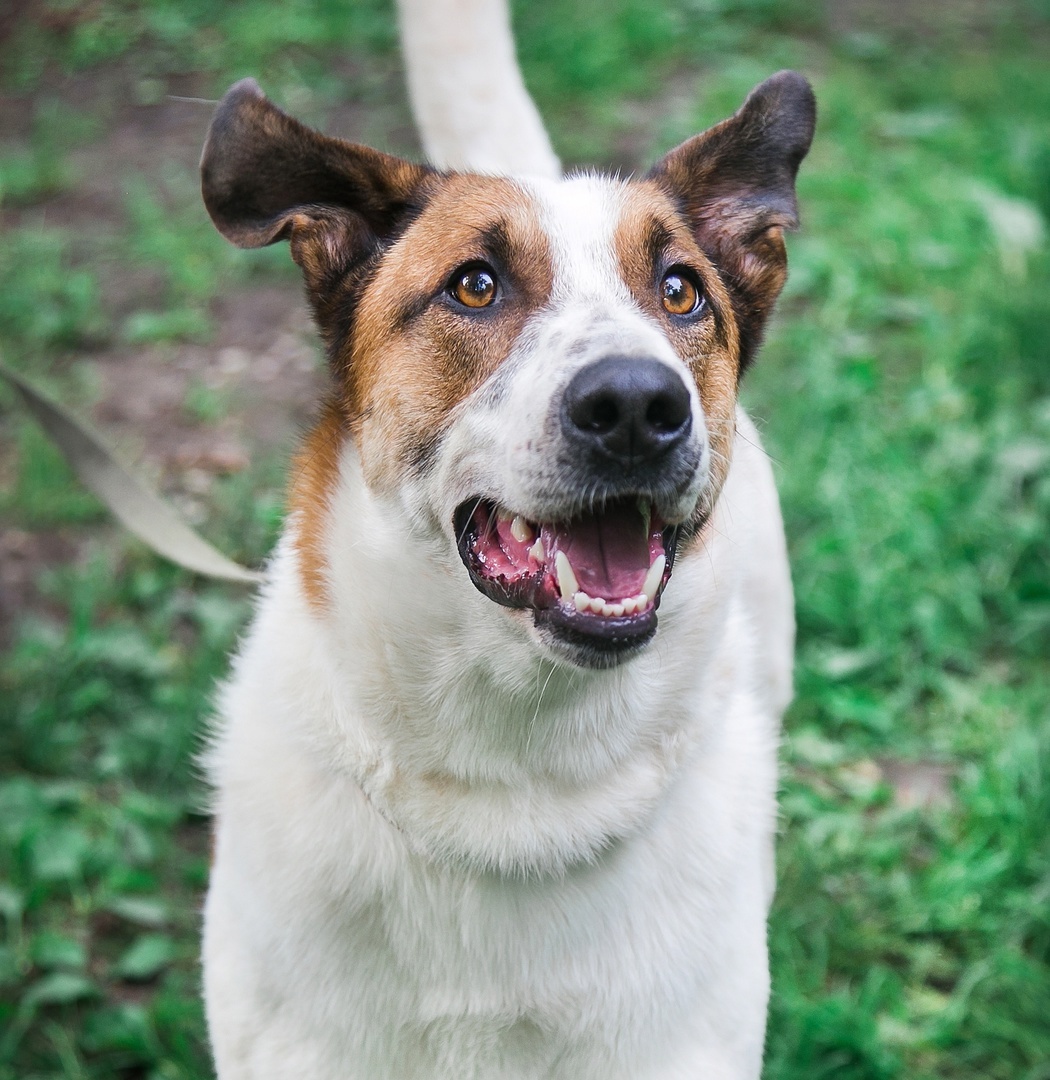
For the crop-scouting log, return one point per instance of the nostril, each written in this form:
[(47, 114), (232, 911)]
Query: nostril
[(666, 413), (604, 414)]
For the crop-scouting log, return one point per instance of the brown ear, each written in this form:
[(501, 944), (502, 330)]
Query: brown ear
[(735, 184), (265, 177)]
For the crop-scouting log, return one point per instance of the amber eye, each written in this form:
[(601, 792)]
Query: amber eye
[(679, 294), (474, 287)]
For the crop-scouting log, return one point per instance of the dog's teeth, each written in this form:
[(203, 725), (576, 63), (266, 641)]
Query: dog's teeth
[(567, 583), (645, 508), (536, 552), (520, 530), (597, 604), (582, 601), (641, 602), (615, 610), (629, 605)]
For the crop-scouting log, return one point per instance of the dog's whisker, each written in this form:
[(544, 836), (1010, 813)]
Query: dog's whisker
[(466, 523), (535, 715)]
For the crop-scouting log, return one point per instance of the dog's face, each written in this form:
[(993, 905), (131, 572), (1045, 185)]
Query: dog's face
[(544, 373)]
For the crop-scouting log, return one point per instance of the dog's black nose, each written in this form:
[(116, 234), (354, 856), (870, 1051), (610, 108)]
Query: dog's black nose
[(631, 410)]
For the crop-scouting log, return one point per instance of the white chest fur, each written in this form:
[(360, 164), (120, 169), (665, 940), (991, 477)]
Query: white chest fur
[(438, 858)]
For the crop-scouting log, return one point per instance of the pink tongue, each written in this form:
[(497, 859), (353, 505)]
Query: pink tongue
[(608, 552)]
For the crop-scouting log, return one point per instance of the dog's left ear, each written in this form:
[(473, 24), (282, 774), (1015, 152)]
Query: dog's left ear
[(735, 184)]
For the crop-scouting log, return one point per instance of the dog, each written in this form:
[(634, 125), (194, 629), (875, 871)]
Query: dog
[(495, 767)]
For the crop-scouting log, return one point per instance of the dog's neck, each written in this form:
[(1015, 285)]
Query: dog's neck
[(449, 715)]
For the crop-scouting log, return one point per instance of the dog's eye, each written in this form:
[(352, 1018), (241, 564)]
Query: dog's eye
[(679, 293), (473, 286)]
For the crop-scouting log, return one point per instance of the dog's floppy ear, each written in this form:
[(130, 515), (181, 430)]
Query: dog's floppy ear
[(266, 177), (735, 184)]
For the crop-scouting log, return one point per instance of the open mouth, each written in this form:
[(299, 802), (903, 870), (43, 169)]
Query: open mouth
[(594, 579)]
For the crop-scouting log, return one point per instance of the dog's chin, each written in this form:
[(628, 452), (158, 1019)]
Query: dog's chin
[(564, 640), (590, 584)]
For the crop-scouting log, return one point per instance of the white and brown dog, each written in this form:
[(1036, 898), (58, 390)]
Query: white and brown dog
[(496, 792)]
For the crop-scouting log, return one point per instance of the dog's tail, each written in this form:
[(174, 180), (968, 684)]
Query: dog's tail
[(467, 93)]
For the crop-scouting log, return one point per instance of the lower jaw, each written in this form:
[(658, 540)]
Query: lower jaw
[(597, 644)]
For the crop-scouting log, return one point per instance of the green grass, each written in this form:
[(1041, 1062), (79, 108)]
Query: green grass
[(904, 393)]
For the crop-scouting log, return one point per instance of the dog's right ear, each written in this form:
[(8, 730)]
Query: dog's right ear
[(266, 177)]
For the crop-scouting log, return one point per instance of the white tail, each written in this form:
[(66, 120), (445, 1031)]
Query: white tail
[(467, 93)]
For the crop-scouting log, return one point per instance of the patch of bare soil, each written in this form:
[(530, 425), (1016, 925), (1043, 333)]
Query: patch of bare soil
[(918, 785), (930, 19), (23, 557), (263, 374)]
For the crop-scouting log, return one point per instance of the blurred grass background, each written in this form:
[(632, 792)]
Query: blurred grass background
[(904, 393)]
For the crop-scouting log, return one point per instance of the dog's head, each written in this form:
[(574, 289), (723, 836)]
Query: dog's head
[(546, 371)]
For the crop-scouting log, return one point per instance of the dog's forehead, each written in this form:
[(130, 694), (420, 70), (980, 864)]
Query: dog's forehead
[(580, 217)]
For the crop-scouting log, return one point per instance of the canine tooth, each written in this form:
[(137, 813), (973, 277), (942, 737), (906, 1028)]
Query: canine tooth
[(536, 552), (520, 530), (655, 575), (582, 601), (616, 610), (567, 583), (629, 605), (597, 604)]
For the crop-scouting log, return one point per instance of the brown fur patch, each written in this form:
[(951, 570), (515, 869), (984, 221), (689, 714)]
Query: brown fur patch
[(315, 473), (651, 237), (404, 353), (415, 353)]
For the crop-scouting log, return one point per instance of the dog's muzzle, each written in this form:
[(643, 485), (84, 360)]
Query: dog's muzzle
[(593, 577)]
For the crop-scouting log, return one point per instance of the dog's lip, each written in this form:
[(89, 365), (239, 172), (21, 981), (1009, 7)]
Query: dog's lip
[(499, 550)]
